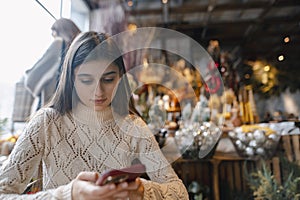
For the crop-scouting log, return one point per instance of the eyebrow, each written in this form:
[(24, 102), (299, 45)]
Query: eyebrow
[(105, 74), (109, 73)]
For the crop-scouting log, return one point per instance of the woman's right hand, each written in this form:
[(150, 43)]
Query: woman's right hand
[(84, 188)]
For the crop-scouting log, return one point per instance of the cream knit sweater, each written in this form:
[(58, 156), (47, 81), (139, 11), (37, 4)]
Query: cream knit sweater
[(84, 141)]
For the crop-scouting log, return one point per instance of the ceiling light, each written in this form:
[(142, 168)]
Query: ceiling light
[(280, 58), (164, 1), (247, 76), (267, 68), (130, 3), (286, 39), (132, 27)]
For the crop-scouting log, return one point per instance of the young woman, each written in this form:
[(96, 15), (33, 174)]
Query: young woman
[(89, 126)]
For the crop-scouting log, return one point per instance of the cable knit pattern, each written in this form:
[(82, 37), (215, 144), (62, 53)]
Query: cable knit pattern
[(85, 141)]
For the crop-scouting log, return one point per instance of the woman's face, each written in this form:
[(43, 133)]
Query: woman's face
[(95, 83)]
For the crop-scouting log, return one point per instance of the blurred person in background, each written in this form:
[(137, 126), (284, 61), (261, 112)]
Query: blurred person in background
[(41, 79)]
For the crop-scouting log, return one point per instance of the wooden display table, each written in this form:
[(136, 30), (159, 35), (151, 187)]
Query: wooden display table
[(231, 171), (225, 168)]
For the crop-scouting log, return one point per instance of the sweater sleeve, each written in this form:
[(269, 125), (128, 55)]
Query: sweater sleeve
[(24, 160), (164, 182), (44, 69)]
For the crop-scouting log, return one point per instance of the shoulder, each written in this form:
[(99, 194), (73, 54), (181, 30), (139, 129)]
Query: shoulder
[(56, 44), (47, 112), (135, 125), (44, 116), (39, 124), (58, 41), (134, 120)]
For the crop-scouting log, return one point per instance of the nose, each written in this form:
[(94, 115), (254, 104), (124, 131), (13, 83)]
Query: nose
[(99, 89)]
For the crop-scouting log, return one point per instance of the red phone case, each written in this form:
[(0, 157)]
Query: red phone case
[(126, 174)]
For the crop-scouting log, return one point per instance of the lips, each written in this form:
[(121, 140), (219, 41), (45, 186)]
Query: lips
[(99, 101)]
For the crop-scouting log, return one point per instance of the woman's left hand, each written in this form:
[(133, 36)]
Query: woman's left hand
[(136, 190)]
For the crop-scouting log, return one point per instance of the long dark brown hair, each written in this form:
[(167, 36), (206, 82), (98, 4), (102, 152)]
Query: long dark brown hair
[(88, 46)]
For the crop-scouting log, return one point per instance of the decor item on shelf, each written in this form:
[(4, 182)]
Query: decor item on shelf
[(7, 139), (157, 116), (198, 191), (201, 112), (186, 112), (227, 99), (161, 137), (197, 140), (297, 124), (248, 110), (214, 104), (255, 140), (151, 73), (265, 78)]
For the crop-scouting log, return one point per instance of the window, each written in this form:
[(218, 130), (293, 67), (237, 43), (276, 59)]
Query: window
[(25, 36)]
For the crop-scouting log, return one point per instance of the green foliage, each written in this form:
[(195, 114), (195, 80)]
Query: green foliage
[(289, 167), (265, 187)]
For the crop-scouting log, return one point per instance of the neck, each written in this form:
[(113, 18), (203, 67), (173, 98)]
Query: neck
[(90, 116)]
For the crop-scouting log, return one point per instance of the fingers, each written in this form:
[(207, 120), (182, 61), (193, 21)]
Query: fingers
[(88, 190), (121, 195), (138, 192), (141, 188), (88, 176), (121, 190), (135, 184), (85, 187)]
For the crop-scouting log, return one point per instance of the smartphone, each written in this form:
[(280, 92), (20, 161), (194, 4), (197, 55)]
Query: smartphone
[(117, 176)]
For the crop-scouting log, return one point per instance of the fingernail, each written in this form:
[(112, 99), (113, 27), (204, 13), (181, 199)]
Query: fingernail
[(112, 186), (96, 175), (124, 185)]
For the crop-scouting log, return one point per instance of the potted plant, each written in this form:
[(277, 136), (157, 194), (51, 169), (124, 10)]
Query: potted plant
[(265, 187)]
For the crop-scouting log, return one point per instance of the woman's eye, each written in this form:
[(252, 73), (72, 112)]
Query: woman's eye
[(108, 80), (87, 82)]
